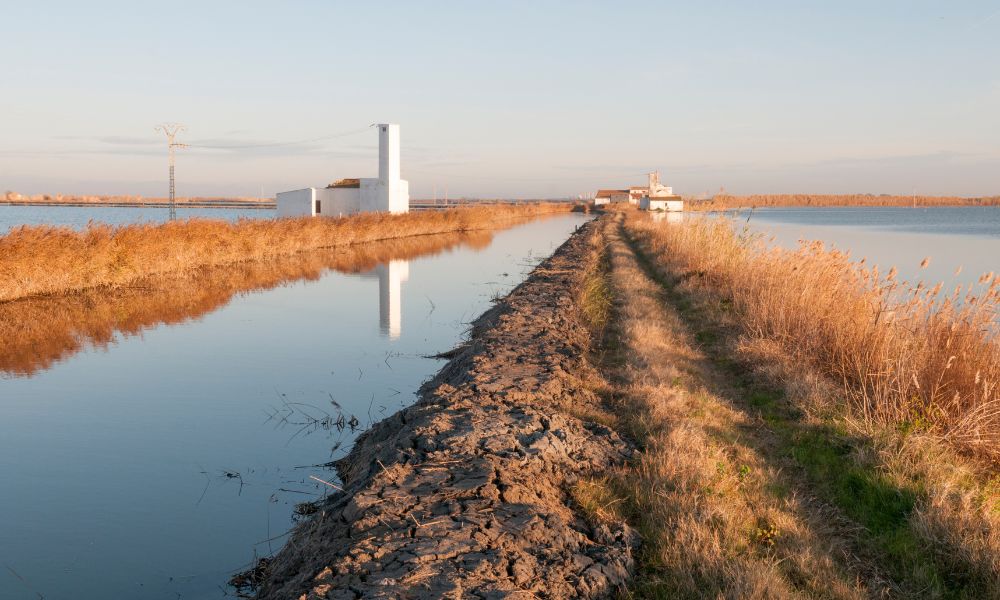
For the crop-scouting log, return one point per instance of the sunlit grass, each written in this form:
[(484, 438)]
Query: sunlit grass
[(38, 260)]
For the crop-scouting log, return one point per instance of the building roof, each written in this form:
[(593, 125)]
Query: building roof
[(345, 183), (609, 193)]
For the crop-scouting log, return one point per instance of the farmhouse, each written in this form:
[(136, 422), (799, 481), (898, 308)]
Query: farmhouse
[(611, 196), (660, 197), (385, 193)]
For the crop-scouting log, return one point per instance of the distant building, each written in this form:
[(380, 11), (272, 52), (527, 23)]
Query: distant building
[(635, 194), (660, 197), (611, 197), (385, 193)]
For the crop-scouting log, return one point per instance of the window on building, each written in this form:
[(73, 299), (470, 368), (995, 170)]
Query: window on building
[(319, 207)]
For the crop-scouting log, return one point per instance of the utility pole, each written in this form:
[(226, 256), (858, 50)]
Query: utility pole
[(171, 130)]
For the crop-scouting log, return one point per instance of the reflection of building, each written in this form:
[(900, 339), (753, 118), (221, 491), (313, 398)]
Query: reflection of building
[(390, 297), (385, 193), (390, 277), (667, 216)]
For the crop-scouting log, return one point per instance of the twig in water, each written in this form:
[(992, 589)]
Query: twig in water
[(208, 481), (24, 582), (324, 482)]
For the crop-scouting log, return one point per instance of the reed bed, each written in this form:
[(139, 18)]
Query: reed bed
[(908, 356), (44, 260), (39, 332), (729, 202)]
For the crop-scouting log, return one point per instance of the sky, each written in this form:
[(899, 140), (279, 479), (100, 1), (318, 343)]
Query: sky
[(503, 99)]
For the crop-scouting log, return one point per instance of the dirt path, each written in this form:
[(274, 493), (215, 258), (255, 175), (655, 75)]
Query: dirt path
[(720, 510), (467, 493)]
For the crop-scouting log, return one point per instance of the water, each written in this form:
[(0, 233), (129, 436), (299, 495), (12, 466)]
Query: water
[(78, 216), (953, 238), (153, 441)]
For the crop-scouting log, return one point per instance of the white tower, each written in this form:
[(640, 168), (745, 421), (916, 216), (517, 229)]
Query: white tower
[(388, 193), (388, 152)]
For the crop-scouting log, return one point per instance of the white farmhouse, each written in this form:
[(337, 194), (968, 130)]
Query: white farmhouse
[(385, 193), (660, 197)]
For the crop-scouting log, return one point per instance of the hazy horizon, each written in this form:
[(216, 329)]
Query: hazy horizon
[(515, 100)]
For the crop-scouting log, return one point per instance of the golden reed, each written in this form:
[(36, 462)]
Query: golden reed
[(38, 332), (909, 356), (728, 202), (39, 260)]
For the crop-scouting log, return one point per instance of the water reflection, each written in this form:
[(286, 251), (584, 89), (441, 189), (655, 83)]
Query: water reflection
[(39, 333), (390, 278), (666, 217)]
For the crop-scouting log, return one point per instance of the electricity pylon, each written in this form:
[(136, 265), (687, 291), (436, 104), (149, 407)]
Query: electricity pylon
[(171, 130)]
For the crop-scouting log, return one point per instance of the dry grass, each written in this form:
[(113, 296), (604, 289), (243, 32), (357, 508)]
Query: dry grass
[(47, 260), (891, 383), (728, 202), (908, 356), (717, 517), (37, 333)]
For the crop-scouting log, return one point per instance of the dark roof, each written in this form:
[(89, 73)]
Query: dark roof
[(609, 193), (345, 183)]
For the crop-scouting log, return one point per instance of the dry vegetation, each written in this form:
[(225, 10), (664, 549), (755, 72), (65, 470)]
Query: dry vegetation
[(808, 426), (728, 202), (907, 356), (47, 260), (716, 513), (36, 333)]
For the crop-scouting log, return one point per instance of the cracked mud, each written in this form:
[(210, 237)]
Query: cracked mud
[(465, 493)]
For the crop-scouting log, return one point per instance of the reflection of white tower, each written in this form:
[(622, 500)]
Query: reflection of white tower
[(390, 297)]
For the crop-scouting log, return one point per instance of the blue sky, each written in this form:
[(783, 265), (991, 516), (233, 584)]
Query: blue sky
[(505, 99)]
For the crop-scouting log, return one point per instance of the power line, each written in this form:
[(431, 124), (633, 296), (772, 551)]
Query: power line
[(171, 130), (277, 144)]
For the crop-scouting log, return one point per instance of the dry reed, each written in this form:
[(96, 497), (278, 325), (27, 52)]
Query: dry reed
[(729, 202), (39, 332), (47, 260), (910, 357)]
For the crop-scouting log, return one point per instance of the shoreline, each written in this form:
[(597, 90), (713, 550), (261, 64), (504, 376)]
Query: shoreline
[(469, 489)]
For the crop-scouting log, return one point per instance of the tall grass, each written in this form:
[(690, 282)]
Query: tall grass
[(726, 201), (46, 260), (39, 332), (907, 355)]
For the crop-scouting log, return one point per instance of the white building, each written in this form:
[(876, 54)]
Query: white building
[(660, 197), (385, 193)]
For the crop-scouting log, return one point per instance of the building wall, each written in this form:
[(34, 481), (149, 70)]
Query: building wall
[(666, 205), (297, 203), (601, 201), (336, 202), (392, 196)]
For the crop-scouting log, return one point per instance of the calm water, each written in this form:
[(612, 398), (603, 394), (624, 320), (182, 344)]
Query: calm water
[(952, 237), (151, 446), (78, 216)]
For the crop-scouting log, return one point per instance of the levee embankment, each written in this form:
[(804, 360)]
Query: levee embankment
[(468, 493)]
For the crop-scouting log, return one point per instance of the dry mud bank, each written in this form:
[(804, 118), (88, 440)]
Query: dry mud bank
[(466, 493)]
